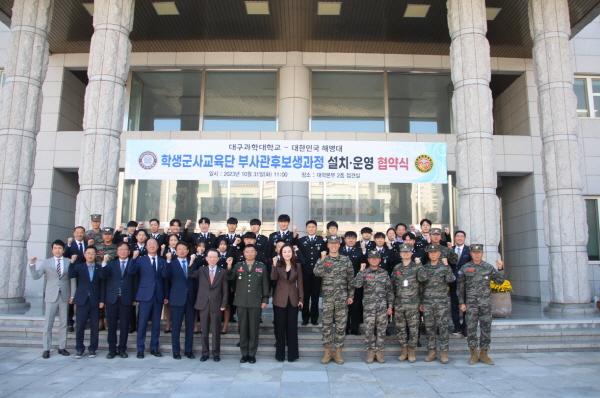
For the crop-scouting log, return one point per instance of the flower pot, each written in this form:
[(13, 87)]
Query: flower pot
[(501, 305)]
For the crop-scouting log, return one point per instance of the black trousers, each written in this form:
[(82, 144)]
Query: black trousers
[(454, 311), (71, 315), (355, 312), (312, 289), (178, 315), (211, 322), (83, 314), (118, 317), (286, 331), (249, 322)]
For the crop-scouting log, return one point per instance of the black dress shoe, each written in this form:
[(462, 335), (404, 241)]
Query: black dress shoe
[(168, 331), (280, 359), (216, 358), (111, 355), (190, 355), (92, 354), (123, 354), (237, 344), (314, 323), (46, 354), (78, 354), (292, 359), (156, 353), (252, 359), (176, 356), (244, 359), (63, 352), (204, 358), (304, 323), (140, 355)]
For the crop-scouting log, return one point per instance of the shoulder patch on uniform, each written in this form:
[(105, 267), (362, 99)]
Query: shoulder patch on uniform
[(470, 269), (328, 263), (398, 273)]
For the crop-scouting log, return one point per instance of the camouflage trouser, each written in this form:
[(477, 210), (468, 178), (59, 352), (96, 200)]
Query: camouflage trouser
[(479, 314), (407, 325), (335, 311), (436, 320), (375, 325)]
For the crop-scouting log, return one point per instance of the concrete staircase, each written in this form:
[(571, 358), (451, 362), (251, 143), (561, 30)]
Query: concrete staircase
[(507, 336)]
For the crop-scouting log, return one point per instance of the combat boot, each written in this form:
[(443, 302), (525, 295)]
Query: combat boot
[(430, 356), (326, 355), (379, 356), (444, 357), (337, 356), (403, 354), (370, 356), (474, 358), (411, 355), (483, 357)]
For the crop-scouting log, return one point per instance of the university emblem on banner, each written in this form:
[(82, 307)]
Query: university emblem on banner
[(424, 163), (147, 160)]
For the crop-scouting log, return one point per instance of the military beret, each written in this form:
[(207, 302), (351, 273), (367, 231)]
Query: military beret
[(405, 247), (333, 239), (436, 231), (96, 217), (374, 254), (433, 248), (108, 230), (476, 247)]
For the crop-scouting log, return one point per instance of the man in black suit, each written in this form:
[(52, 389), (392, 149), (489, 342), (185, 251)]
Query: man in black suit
[(74, 251), (233, 239), (175, 229), (89, 299), (209, 239), (283, 233), (155, 231), (310, 248), (140, 238), (120, 286), (463, 253), (262, 242), (129, 235), (211, 300)]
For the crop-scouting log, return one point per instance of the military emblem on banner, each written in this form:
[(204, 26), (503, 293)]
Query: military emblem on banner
[(424, 163), (147, 160)]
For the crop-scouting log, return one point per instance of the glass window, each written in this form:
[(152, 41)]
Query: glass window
[(244, 198), (269, 199), (148, 199), (245, 101), (596, 96), (419, 103), (165, 101), (127, 204), (213, 200), (580, 88), (593, 229), (347, 101)]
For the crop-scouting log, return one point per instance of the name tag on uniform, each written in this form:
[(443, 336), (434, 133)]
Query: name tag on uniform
[(470, 270), (398, 273), (241, 269), (259, 270), (370, 277), (405, 283), (328, 264)]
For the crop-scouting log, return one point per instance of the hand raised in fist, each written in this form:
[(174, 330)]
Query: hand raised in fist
[(445, 261), (187, 224), (363, 266), (417, 260), (463, 308), (323, 254), (74, 258), (106, 258), (69, 241), (136, 253), (169, 256), (192, 259), (33, 260), (229, 262), (237, 242), (500, 264), (91, 242)]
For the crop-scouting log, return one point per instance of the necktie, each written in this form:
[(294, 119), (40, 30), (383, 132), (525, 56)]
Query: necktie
[(58, 268), (80, 247), (154, 264), (184, 266), (212, 275), (122, 267)]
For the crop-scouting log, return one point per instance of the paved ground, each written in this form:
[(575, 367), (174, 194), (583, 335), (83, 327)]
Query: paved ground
[(23, 373)]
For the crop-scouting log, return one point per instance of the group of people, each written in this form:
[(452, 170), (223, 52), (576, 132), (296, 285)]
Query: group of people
[(134, 277)]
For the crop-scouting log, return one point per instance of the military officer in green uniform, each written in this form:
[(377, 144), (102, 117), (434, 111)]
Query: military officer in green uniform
[(407, 292), (106, 246), (251, 280), (95, 232), (474, 298), (337, 290)]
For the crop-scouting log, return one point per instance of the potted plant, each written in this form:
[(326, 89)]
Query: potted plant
[(501, 300)]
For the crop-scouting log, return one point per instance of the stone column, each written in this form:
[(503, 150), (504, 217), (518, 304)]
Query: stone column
[(108, 67), (294, 94), (564, 208), (19, 125), (478, 204)]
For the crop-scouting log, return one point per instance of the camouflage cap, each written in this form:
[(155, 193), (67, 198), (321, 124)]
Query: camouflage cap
[(405, 247), (96, 217), (433, 248), (476, 247), (108, 230), (333, 239), (374, 254), (436, 231)]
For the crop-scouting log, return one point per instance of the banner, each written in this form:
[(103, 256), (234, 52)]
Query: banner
[(361, 161)]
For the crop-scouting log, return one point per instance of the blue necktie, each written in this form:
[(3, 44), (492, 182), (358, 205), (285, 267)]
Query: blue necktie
[(122, 267), (184, 266)]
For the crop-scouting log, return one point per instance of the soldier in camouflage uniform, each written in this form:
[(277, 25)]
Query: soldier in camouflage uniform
[(106, 246), (407, 292), (95, 232), (447, 255), (378, 297), (435, 277), (336, 288), (474, 297)]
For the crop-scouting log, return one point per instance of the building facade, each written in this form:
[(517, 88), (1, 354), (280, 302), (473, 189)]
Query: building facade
[(523, 135)]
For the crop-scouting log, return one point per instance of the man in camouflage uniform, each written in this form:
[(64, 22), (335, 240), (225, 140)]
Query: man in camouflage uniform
[(336, 288), (407, 291), (474, 297), (106, 246), (447, 254), (435, 277), (378, 297), (95, 232)]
